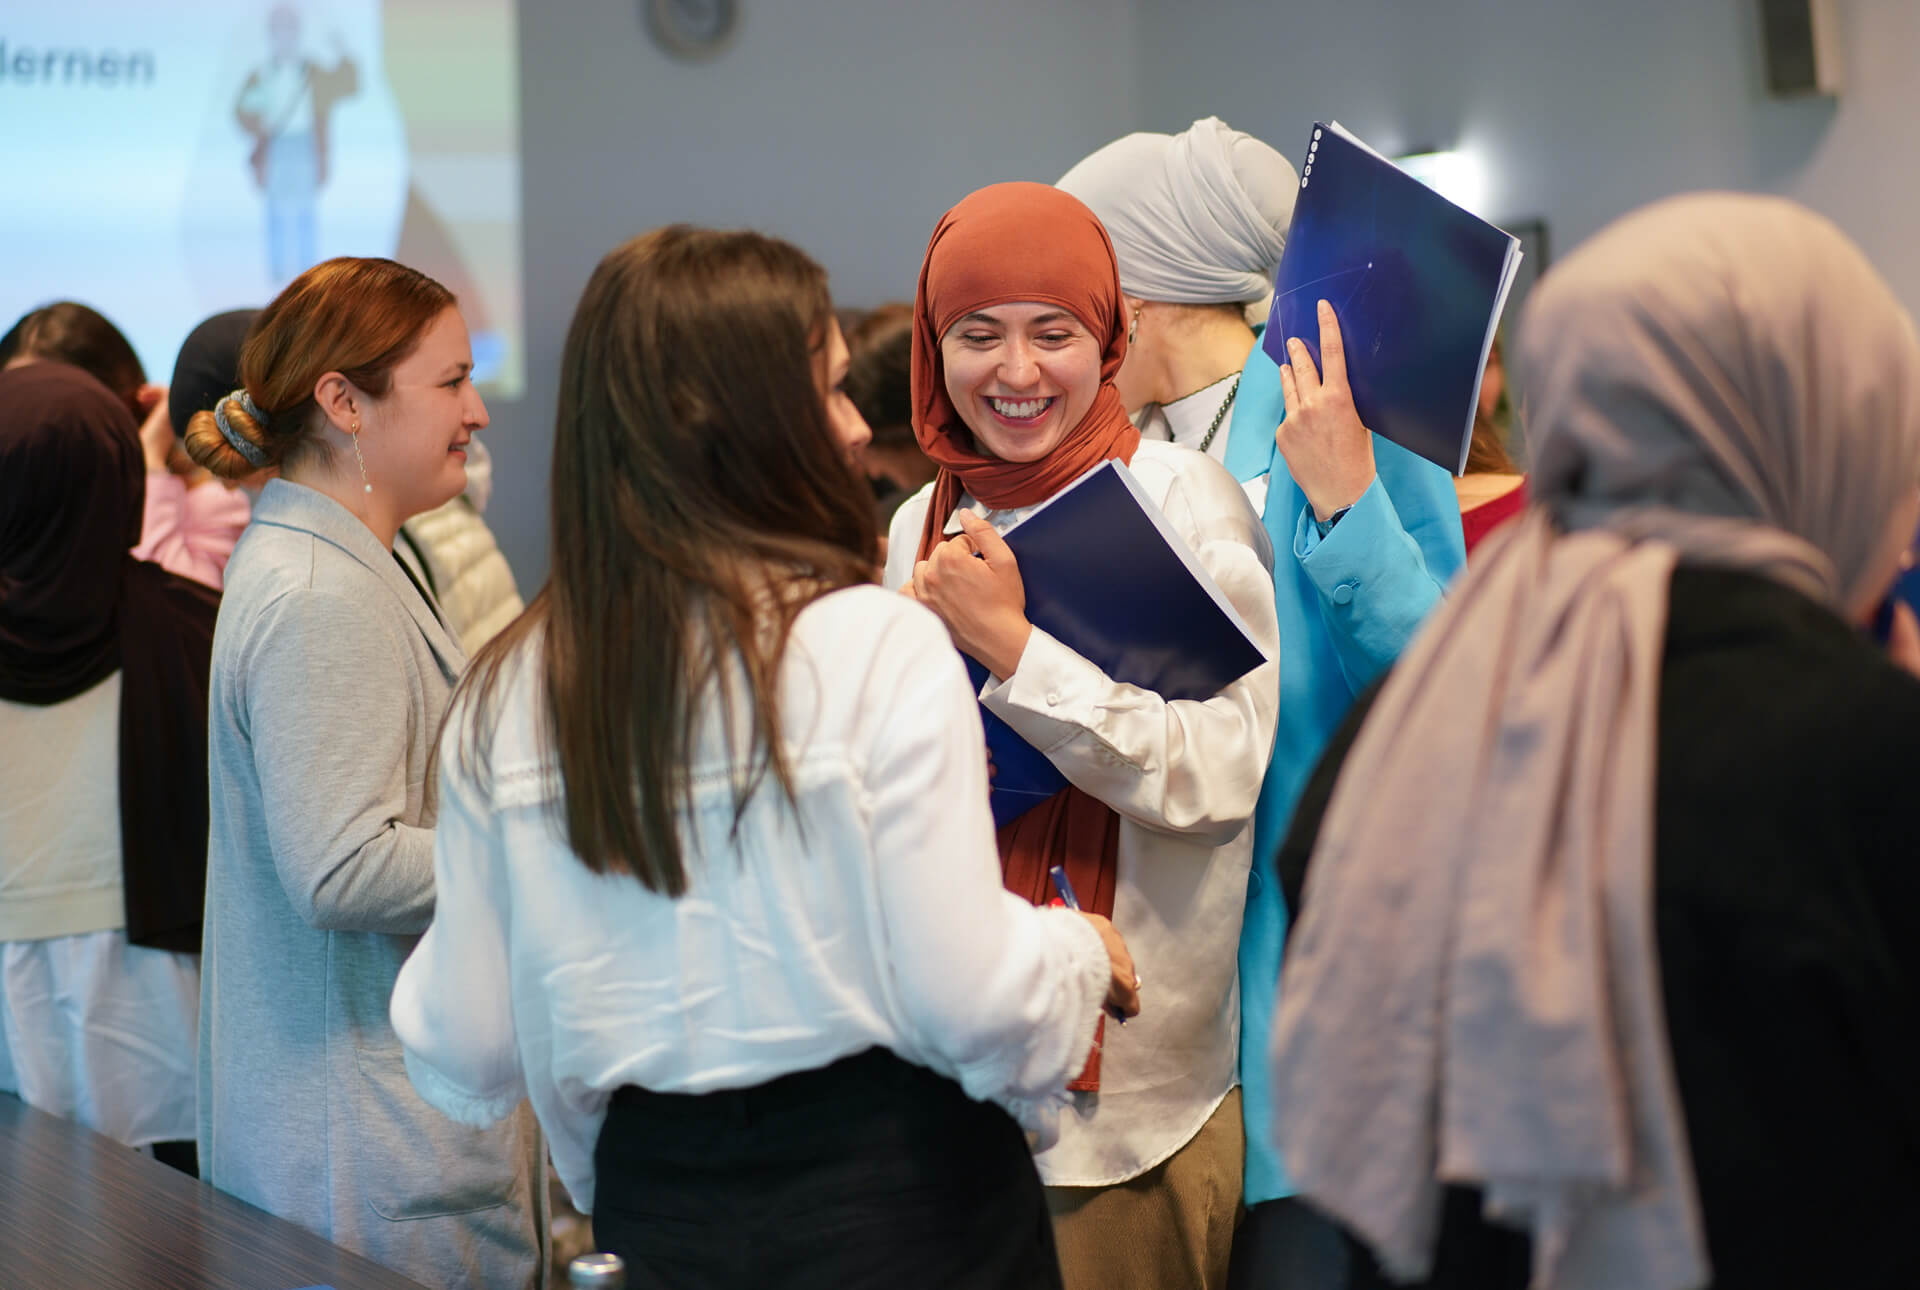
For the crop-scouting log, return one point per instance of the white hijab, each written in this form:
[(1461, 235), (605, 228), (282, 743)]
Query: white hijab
[(1473, 992), (1198, 217)]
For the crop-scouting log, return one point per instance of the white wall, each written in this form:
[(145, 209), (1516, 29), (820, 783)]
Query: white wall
[(847, 126), (1583, 109)]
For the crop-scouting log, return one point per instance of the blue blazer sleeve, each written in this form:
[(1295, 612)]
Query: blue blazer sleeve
[(1383, 567), (1346, 605), (1374, 582)]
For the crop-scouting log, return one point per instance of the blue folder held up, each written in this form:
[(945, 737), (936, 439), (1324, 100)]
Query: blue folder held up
[(1108, 578), (1416, 282)]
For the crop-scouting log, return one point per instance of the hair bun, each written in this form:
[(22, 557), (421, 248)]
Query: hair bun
[(231, 440), (243, 426)]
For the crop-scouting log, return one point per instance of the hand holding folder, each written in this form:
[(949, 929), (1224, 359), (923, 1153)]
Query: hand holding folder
[(1101, 571), (1418, 284), (973, 582), (1328, 451)]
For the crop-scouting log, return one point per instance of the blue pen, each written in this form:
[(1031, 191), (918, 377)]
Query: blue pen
[(1064, 885)]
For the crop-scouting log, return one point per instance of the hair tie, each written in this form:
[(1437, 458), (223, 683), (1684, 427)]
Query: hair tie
[(256, 455)]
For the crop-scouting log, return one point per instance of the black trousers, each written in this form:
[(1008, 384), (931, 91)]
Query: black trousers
[(871, 1172)]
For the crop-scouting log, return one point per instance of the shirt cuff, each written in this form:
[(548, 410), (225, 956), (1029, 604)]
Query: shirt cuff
[(1091, 971), (454, 1102), (1053, 693), (1341, 563)]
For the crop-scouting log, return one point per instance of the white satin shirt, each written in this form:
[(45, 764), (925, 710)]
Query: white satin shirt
[(1184, 776)]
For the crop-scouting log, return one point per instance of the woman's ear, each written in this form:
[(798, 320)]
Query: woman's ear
[(339, 402)]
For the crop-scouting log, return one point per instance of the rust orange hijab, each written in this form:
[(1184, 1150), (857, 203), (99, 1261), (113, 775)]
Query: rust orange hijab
[(1026, 243), (1006, 243)]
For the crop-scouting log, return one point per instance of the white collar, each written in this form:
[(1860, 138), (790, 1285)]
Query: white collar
[(1185, 419)]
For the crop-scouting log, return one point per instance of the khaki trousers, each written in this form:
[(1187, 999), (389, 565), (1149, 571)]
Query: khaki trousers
[(1169, 1229)]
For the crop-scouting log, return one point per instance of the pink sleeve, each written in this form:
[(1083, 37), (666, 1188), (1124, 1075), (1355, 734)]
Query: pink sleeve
[(191, 531)]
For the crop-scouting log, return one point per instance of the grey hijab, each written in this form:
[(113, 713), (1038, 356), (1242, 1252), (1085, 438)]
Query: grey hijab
[(1473, 992), (1198, 217)]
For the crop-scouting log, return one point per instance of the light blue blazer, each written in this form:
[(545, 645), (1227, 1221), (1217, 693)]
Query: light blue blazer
[(1348, 603)]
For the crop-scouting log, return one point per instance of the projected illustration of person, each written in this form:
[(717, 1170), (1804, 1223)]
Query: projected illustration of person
[(284, 106)]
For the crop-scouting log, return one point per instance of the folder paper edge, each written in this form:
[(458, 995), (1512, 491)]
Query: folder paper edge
[(1508, 273)]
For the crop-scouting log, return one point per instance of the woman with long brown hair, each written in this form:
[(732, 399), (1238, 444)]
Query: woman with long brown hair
[(715, 863), (331, 670)]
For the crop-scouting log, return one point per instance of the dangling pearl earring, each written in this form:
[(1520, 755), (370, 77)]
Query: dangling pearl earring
[(365, 486), (1133, 328)]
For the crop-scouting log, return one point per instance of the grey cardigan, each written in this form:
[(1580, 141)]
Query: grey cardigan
[(330, 676)]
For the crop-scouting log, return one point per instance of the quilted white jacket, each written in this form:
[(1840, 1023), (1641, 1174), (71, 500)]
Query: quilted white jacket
[(453, 552)]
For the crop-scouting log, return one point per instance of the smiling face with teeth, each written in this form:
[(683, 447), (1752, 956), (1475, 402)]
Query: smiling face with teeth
[(1021, 375)]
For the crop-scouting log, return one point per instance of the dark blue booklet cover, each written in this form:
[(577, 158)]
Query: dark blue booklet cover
[(1109, 579), (1905, 589), (1416, 282)]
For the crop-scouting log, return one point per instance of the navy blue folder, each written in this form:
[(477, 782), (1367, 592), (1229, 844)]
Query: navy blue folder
[(1416, 282), (1906, 588), (1107, 578)]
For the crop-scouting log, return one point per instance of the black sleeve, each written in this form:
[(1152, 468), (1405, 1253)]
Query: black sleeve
[(1886, 909), (1291, 861)]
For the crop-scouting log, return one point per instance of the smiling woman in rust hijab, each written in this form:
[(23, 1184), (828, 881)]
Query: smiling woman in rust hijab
[(103, 774), (1018, 334)]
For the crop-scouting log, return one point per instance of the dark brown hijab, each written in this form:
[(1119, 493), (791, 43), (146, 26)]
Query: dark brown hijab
[(75, 607)]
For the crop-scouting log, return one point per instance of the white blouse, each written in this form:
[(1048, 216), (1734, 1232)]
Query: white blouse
[(92, 1028), (1189, 419), (1184, 776), (872, 916)]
